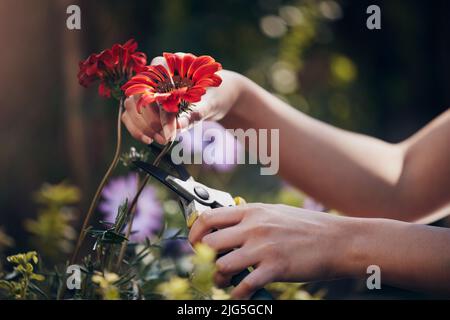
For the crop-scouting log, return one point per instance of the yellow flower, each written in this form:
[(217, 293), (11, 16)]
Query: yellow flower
[(37, 277), (292, 291), (106, 282), (175, 289), (106, 279), (24, 266), (203, 254), (343, 69), (289, 196), (204, 268), (111, 277), (219, 294), (58, 194)]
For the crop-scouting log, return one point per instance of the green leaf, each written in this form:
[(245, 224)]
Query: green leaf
[(34, 288), (121, 217)]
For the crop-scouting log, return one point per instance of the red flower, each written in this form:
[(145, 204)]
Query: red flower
[(183, 82), (113, 67)]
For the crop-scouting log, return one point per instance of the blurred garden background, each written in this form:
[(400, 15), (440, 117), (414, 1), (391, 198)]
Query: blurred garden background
[(318, 55)]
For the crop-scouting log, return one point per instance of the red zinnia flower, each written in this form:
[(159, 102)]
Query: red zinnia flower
[(183, 82), (113, 67)]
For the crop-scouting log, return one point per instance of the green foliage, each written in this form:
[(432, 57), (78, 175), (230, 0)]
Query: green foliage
[(52, 232), (108, 240), (203, 269), (200, 284), (144, 273), (22, 287), (293, 291), (57, 195), (127, 158), (113, 234), (5, 240), (107, 283), (175, 288)]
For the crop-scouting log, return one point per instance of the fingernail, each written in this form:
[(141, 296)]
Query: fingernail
[(147, 140), (160, 139), (167, 133)]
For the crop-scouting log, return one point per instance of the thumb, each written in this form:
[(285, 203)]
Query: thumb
[(169, 124), (189, 118)]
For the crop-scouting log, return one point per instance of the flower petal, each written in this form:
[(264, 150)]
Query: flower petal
[(131, 45), (138, 89), (212, 81), (139, 59), (198, 62), (173, 62), (186, 63), (112, 66), (158, 73), (206, 70), (170, 101), (194, 94), (104, 90), (141, 79), (145, 100)]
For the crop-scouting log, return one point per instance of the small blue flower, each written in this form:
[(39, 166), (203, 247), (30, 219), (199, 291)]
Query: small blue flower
[(149, 212)]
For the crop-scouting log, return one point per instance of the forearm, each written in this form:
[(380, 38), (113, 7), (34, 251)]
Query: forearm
[(353, 173), (410, 256)]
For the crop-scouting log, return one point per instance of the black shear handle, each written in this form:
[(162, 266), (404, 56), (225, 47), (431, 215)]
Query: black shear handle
[(260, 294)]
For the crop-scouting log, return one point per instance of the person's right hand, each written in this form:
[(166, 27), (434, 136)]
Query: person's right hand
[(156, 124)]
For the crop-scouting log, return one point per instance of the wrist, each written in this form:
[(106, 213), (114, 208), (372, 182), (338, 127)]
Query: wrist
[(236, 109), (354, 254)]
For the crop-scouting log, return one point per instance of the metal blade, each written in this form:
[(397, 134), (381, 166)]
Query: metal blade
[(159, 175), (179, 168)]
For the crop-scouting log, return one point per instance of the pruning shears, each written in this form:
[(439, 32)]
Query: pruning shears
[(195, 198)]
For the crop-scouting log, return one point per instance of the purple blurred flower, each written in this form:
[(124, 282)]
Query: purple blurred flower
[(149, 212), (212, 135), (175, 247), (313, 205)]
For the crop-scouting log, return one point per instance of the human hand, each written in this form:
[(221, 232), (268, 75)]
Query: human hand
[(282, 243), (153, 123)]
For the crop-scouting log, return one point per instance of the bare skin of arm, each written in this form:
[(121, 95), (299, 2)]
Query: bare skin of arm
[(356, 174), (290, 244)]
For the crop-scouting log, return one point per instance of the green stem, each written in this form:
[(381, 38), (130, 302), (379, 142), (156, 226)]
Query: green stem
[(131, 210), (100, 187), (110, 258), (102, 184), (25, 287)]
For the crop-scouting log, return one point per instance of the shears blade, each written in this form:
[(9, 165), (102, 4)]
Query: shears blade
[(161, 176)]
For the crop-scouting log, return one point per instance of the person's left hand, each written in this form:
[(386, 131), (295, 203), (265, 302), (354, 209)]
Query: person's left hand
[(282, 243)]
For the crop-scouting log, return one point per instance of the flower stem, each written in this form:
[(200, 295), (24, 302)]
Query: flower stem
[(102, 184), (131, 210)]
